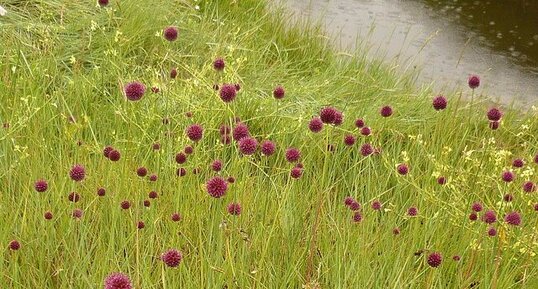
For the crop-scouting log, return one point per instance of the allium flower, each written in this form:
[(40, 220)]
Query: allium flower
[(173, 73), (296, 172), (107, 150), (359, 123), (216, 165), (146, 203), (125, 205), (366, 149), (376, 205), (114, 155), (494, 114), (348, 201), (355, 206), (386, 111), (508, 176), (248, 145), (77, 173), (439, 103), (73, 197), (441, 180), (234, 209), (172, 258), (47, 215), (293, 155), (77, 213), (396, 231), (349, 140), (536, 207), (435, 259), (101, 192), (181, 158), (513, 218), (278, 93), (413, 211), (268, 147), (218, 64), (228, 92), (156, 146), (41, 185), (477, 207), (155, 89), (14, 245), (134, 90), (299, 165), (315, 125), (473, 81), (176, 217), (153, 195), (473, 216), (518, 163), (240, 131), (181, 172), (195, 132), (153, 178), (117, 281), (494, 125), (456, 258), (402, 169), (357, 217), (366, 131), (216, 187), (170, 33), (328, 114), (188, 150), (508, 198), (492, 232), (338, 118), (140, 225), (141, 172), (529, 187), (102, 3), (230, 180), (489, 217)]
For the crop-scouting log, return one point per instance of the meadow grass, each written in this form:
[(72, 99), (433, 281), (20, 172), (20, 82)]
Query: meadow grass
[(64, 66)]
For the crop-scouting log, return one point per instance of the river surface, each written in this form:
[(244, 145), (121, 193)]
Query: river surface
[(445, 40)]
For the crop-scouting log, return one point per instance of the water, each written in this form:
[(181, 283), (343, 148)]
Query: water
[(446, 40)]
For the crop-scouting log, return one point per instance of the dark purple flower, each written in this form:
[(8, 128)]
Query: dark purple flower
[(494, 114), (48, 215), (536, 207), (218, 64), (77, 173), (107, 150), (357, 217), (518, 163), (175, 217), (366, 131), (103, 3), (508, 198), (188, 150), (494, 125), (125, 204), (529, 187), (278, 93), (73, 197), (134, 90), (216, 187), (156, 146), (77, 214), (170, 33), (153, 195), (230, 180), (439, 102), (338, 118), (315, 125), (473, 81), (513, 218), (155, 89), (403, 169), (41, 185), (181, 172), (181, 158), (268, 147), (355, 206), (293, 155), (248, 145), (172, 258), (296, 172), (376, 205), (366, 149), (349, 140), (114, 155), (101, 192), (328, 114), (435, 259), (441, 180), (234, 209), (195, 132), (413, 211), (492, 232), (228, 92), (140, 225), (216, 165), (386, 111), (117, 281), (477, 207), (141, 172), (14, 245), (473, 216), (240, 131), (508, 176), (173, 73), (396, 231), (153, 178), (146, 203), (489, 217), (348, 201), (359, 123)]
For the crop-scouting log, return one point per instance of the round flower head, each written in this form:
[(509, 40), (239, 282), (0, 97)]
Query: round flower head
[(134, 90), (315, 125), (117, 281), (348, 201), (386, 111), (366, 149), (508, 176), (195, 132), (172, 258), (413, 211), (473, 81), (403, 169), (248, 145), (156, 146), (218, 64), (41, 185), (518, 163), (196, 171), (435, 259), (173, 73), (328, 114), (125, 205), (529, 187), (441, 180), (278, 92), (439, 103), (268, 147), (73, 197), (508, 197), (147, 203), (77, 214), (181, 172), (155, 89), (47, 215), (77, 173), (153, 195), (492, 232), (473, 216), (114, 155), (170, 33), (181, 158), (175, 217), (228, 92), (366, 131), (153, 178), (396, 231), (230, 180), (141, 172), (296, 172), (240, 131), (494, 114), (234, 209), (237, 86), (338, 118), (489, 217), (359, 123), (299, 165), (477, 207), (216, 187), (293, 155), (101, 192), (513, 218), (349, 140), (140, 225), (357, 217), (107, 150), (188, 150), (494, 125), (14, 245), (536, 207), (355, 206), (376, 205), (102, 3), (216, 165)]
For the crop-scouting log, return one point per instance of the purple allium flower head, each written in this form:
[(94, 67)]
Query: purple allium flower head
[(357, 217), (477, 207), (153, 178), (140, 225), (134, 90), (173, 73), (153, 195), (102, 3), (234, 209), (494, 114), (181, 158), (359, 123), (218, 64), (216, 187), (413, 211), (170, 33), (181, 172), (77, 213), (386, 111), (441, 180), (156, 146), (435, 259), (73, 197), (508, 176), (473, 216), (508, 197), (439, 102), (529, 187), (228, 92), (536, 207), (396, 231), (175, 217), (299, 165), (107, 150), (328, 114), (494, 125), (216, 165), (117, 281), (114, 155), (489, 217), (349, 140), (403, 169), (141, 172), (188, 114), (293, 155), (473, 81), (240, 131), (338, 118), (125, 204), (296, 172), (518, 163), (348, 201), (101, 192), (536, 159), (315, 125), (268, 147), (155, 89), (188, 150), (146, 203), (355, 206), (41, 185), (376, 205), (230, 180), (77, 173), (172, 258), (14, 245), (366, 131), (248, 145), (278, 92), (513, 218), (195, 132), (492, 232), (366, 149)]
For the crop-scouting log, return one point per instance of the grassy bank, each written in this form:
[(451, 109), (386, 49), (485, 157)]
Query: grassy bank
[(64, 66)]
